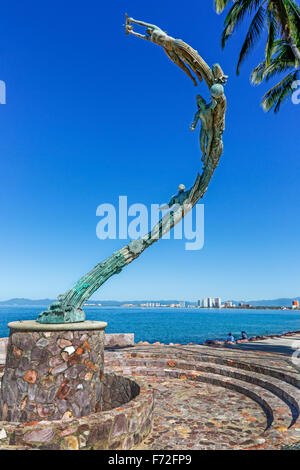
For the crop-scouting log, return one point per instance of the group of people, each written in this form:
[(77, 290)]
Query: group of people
[(231, 339)]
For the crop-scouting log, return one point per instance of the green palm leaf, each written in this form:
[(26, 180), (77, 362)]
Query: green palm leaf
[(272, 33), (282, 51), (282, 60), (294, 13), (254, 33), (220, 5), (263, 72), (237, 14), (279, 93)]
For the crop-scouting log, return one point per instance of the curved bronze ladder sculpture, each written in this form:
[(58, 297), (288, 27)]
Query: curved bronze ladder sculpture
[(68, 307)]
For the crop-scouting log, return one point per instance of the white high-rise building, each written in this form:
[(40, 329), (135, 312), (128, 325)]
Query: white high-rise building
[(217, 302), (210, 302), (199, 303), (205, 303)]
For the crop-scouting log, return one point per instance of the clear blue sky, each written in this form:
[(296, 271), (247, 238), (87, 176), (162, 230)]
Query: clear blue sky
[(92, 114)]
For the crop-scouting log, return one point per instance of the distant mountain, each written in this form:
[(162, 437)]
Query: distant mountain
[(284, 302), (21, 302)]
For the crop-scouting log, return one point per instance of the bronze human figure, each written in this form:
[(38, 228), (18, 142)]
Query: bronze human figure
[(205, 114), (69, 307)]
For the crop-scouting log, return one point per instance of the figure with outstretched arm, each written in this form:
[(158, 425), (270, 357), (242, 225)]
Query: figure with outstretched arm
[(171, 46), (205, 114)]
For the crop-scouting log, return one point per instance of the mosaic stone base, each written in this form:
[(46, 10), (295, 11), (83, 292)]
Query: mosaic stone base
[(52, 373)]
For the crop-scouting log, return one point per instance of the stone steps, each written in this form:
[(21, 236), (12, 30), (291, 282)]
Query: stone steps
[(277, 412), (276, 392), (282, 384), (284, 391), (196, 357)]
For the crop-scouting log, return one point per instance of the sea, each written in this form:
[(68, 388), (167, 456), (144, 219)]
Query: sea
[(174, 325)]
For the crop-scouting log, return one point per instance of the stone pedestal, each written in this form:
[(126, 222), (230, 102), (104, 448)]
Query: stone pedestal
[(52, 371)]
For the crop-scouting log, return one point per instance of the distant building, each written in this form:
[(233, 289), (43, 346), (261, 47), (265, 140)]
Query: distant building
[(181, 304), (228, 304), (210, 302)]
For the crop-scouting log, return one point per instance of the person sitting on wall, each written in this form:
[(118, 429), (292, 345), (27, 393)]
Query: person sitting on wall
[(230, 338), (244, 335)]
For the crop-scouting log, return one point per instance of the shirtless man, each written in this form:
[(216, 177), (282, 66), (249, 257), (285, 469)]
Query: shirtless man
[(205, 114)]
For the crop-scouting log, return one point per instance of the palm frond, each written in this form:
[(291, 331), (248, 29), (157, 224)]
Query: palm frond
[(287, 13), (236, 15), (282, 50), (253, 35), (265, 72), (272, 33), (294, 13), (220, 5), (279, 93), (257, 74), (279, 10), (295, 8), (282, 59)]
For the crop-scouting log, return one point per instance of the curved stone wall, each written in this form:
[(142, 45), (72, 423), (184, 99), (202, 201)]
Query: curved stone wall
[(120, 428), (52, 373)]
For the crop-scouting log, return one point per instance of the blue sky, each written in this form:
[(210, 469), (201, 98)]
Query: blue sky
[(92, 114)]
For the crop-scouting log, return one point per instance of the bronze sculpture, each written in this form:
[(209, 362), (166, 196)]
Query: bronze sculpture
[(68, 307), (205, 114)]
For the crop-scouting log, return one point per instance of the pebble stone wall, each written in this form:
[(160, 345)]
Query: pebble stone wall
[(124, 426), (51, 375)]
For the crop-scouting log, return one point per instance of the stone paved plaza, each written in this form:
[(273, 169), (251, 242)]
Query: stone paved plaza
[(245, 396), (230, 397)]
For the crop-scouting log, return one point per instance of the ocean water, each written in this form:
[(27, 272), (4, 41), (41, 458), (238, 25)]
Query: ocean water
[(176, 325)]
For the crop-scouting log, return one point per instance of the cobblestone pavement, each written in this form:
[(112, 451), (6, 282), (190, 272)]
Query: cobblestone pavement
[(217, 397), (183, 417)]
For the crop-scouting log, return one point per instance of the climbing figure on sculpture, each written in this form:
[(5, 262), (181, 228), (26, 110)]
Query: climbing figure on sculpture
[(205, 114), (177, 199)]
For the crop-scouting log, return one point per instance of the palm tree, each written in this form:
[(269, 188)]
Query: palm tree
[(282, 20), (282, 60)]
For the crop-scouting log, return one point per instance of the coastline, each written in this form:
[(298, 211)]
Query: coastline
[(251, 339), (216, 343), (178, 325), (127, 340)]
